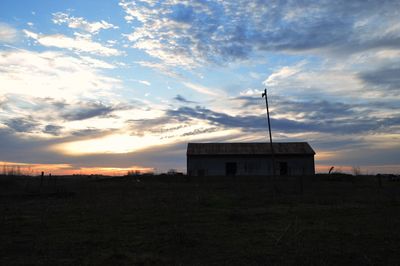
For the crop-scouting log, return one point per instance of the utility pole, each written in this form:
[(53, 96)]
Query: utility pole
[(269, 128)]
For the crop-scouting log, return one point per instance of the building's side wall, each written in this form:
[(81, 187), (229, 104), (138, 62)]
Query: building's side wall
[(297, 165), (249, 165), (216, 165)]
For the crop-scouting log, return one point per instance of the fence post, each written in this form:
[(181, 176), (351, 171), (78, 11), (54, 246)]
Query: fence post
[(41, 181)]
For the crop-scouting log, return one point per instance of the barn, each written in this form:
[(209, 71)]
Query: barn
[(241, 159)]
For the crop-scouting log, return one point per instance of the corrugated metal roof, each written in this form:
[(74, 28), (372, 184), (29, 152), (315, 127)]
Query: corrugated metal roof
[(261, 148)]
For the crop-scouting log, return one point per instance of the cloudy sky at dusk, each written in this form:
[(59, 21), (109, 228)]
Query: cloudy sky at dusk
[(107, 86)]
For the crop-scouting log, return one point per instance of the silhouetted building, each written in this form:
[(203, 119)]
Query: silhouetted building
[(230, 159)]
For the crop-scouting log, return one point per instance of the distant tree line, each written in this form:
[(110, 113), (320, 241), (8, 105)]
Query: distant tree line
[(15, 170)]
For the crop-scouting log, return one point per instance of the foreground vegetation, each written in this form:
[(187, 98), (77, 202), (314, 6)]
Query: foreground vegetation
[(323, 220)]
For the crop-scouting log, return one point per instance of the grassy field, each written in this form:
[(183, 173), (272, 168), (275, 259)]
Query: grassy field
[(333, 220)]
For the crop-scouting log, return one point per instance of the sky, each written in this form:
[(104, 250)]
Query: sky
[(111, 86)]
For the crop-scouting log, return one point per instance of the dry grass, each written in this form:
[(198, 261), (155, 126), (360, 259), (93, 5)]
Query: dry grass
[(203, 221)]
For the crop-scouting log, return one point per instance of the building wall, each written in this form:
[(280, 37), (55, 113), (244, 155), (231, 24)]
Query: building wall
[(250, 165)]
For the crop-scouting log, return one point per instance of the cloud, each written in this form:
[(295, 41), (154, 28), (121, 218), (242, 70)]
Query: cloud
[(159, 125), (345, 79), (159, 67), (53, 130), (251, 92), (387, 78), (199, 131), (192, 33), (17, 148), (50, 117), (316, 81), (181, 99), (35, 150), (38, 115), (283, 73), (24, 125), (90, 133), (77, 44), (321, 120), (7, 33), (201, 89), (312, 110), (216, 118), (82, 24), (95, 63), (54, 75), (144, 82), (87, 110)]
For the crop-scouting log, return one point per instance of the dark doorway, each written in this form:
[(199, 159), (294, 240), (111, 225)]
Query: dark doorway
[(230, 169), (283, 168)]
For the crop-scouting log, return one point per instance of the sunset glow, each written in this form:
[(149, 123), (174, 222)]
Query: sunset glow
[(65, 169)]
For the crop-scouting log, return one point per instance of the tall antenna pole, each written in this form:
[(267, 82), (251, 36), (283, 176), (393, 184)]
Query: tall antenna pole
[(269, 128)]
